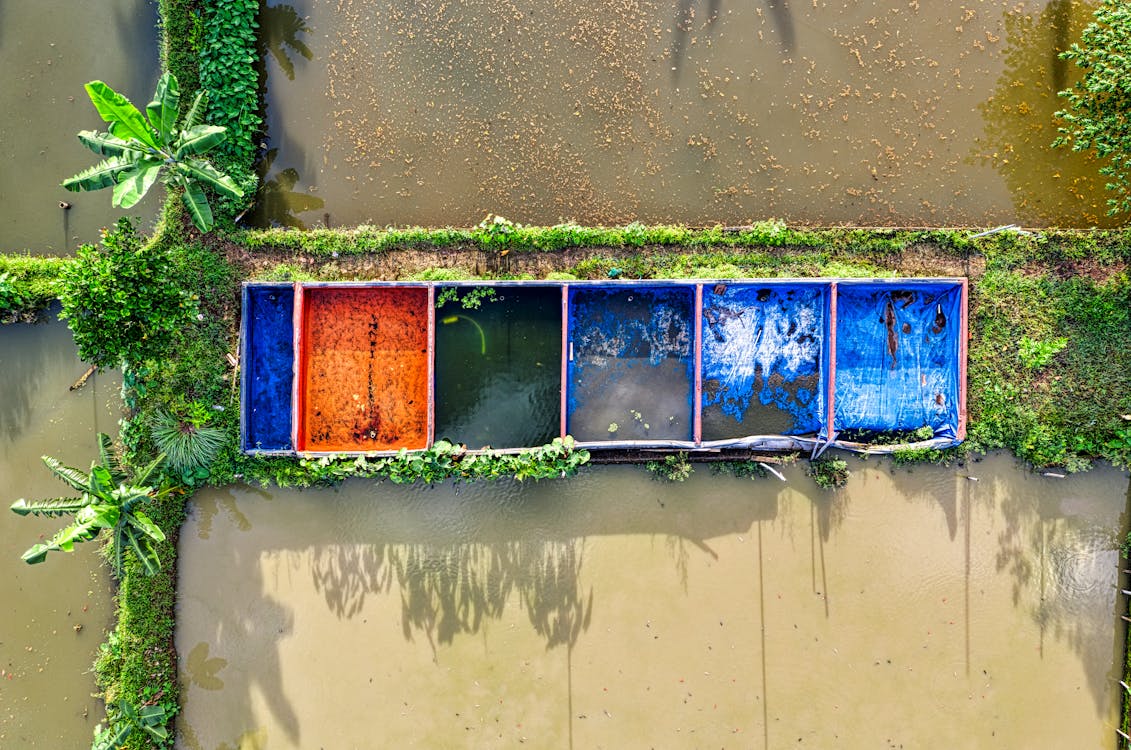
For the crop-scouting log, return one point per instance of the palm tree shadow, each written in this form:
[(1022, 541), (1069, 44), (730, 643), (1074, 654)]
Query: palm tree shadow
[(280, 26)]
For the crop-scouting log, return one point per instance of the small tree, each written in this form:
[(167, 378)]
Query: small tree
[(1099, 105), (105, 502), (142, 148), (121, 300)]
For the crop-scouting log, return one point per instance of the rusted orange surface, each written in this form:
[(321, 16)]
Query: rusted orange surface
[(364, 369)]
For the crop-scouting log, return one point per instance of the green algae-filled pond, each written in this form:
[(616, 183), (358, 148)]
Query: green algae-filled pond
[(914, 608)]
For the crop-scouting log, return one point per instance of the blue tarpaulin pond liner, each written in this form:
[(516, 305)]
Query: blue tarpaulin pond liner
[(498, 364), (763, 365), (764, 359), (267, 360), (898, 349), (631, 363)]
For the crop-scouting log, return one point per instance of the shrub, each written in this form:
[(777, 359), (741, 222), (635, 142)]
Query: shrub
[(674, 468), (1098, 116), (829, 473), (120, 303)]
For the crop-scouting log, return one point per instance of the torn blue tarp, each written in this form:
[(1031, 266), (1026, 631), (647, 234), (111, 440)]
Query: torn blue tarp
[(268, 367), (631, 365), (764, 349), (897, 356)]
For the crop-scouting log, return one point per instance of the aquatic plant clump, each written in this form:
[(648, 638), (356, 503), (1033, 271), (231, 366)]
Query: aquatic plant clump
[(829, 474)]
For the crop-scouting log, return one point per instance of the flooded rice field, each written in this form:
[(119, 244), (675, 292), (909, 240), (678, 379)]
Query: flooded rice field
[(695, 111), (48, 50), (913, 609), (55, 613)]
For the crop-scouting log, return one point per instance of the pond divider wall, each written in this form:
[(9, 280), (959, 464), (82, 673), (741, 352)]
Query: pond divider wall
[(699, 365)]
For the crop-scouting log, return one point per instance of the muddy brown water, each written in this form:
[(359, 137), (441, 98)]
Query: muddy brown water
[(914, 608), (48, 50), (55, 613), (886, 112)]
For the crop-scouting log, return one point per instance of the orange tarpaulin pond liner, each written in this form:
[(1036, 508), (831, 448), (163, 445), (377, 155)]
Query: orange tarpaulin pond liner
[(365, 369)]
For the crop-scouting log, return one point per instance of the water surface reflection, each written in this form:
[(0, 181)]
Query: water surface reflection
[(614, 610), (55, 613)]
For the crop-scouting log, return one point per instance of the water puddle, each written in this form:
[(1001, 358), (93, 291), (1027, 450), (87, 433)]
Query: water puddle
[(615, 611), (48, 50), (890, 113), (56, 613)]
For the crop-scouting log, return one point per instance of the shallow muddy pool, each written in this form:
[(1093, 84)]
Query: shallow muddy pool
[(55, 613), (914, 609), (48, 50), (697, 111)]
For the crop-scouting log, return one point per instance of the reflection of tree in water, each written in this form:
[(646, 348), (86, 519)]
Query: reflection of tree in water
[(684, 21), (1063, 566), (279, 28), (277, 203), (448, 590), (1048, 185)]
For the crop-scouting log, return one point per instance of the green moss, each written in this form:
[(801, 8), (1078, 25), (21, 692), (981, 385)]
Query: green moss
[(28, 285)]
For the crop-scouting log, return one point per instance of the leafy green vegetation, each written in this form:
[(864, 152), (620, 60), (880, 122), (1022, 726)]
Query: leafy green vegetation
[(828, 473), (1098, 117), (125, 719), (121, 301), (674, 467), (161, 143), (110, 498), (138, 662), (188, 443), (228, 60), (1052, 416), (709, 247), (443, 461), (28, 286)]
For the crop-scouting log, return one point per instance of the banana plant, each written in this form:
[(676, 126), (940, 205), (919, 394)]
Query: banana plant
[(125, 718), (108, 499), (142, 148)]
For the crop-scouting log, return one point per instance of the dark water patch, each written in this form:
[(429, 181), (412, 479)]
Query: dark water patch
[(498, 369)]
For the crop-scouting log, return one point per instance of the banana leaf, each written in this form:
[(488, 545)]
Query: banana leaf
[(134, 184), (198, 139), (76, 479), (101, 175), (55, 506), (105, 144), (162, 111), (125, 121), (197, 204)]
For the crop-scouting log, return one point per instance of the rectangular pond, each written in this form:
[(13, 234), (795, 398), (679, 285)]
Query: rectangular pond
[(498, 365), (896, 347), (886, 112), (365, 364), (764, 358), (268, 358), (610, 610), (630, 363)]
